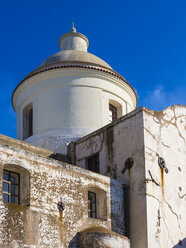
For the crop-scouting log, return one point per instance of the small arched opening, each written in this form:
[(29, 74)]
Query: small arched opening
[(115, 110), (28, 121)]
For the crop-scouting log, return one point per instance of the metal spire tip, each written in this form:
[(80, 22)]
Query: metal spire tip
[(73, 28)]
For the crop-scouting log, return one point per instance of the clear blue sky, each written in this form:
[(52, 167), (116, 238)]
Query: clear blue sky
[(145, 41)]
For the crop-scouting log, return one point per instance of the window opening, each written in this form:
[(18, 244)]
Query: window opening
[(11, 187), (112, 113), (27, 121), (92, 212), (93, 163), (30, 120)]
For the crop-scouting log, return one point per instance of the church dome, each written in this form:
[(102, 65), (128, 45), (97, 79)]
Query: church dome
[(71, 94), (77, 56), (73, 47)]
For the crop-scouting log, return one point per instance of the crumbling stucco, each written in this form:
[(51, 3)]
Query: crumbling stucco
[(157, 199), (115, 143), (41, 224), (165, 136)]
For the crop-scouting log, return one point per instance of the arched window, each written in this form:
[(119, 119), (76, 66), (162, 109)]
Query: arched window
[(97, 203), (11, 187), (112, 113), (115, 110), (28, 121), (16, 185)]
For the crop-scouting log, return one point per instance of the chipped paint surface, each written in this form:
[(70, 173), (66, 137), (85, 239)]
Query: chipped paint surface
[(115, 143), (165, 136), (41, 224), (157, 198)]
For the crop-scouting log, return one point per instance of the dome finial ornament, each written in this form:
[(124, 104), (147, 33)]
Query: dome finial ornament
[(73, 30)]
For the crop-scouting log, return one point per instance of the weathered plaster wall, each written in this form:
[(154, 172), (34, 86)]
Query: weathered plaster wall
[(165, 136), (40, 224), (115, 143), (157, 199)]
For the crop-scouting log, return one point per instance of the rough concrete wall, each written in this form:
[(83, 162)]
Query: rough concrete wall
[(41, 224), (165, 136), (115, 143)]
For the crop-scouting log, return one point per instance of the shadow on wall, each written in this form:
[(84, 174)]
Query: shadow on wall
[(117, 207), (181, 243), (73, 242)]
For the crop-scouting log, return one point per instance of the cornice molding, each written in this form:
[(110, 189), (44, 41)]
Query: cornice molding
[(68, 65)]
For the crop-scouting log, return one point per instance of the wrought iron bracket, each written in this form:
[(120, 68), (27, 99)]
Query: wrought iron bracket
[(151, 180), (161, 162), (129, 162), (61, 205)]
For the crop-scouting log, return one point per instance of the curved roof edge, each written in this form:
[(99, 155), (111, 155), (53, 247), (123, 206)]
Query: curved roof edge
[(73, 64)]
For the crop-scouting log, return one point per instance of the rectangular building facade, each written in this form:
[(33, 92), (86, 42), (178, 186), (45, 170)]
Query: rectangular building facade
[(32, 187), (146, 149)]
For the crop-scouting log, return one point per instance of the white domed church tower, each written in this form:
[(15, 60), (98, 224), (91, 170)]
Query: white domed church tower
[(71, 94)]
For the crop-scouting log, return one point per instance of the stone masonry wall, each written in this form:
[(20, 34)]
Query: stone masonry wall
[(40, 224)]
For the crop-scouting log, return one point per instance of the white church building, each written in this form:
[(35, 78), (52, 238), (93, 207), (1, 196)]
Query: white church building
[(88, 168)]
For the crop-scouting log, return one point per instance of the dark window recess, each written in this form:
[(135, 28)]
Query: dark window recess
[(126, 191), (112, 113), (11, 187), (93, 163), (92, 205), (27, 121), (30, 122)]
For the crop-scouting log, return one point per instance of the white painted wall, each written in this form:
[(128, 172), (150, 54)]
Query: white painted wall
[(115, 143), (69, 103), (73, 43), (157, 212), (165, 135)]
